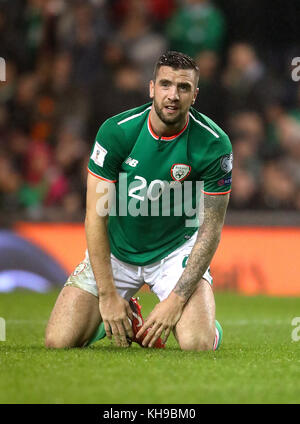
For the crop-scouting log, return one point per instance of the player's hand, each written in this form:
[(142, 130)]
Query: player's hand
[(115, 312), (163, 318)]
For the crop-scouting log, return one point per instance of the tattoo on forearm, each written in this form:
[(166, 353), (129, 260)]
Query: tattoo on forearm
[(205, 246)]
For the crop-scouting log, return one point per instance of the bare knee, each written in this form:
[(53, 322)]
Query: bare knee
[(196, 343), (54, 341), (73, 319), (53, 344)]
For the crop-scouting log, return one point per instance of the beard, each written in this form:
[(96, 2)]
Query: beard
[(168, 120)]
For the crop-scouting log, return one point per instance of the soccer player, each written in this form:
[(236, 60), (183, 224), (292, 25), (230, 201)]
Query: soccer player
[(141, 221)]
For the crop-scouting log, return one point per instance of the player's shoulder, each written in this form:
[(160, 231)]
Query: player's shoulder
[(209, 131), (130, 118), (123, 126)]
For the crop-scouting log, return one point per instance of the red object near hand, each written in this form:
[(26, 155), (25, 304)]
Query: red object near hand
[(137, 323)]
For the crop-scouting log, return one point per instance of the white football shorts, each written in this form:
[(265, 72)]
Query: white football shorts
[(160, 276)]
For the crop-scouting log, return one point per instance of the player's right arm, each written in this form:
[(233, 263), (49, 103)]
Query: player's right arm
[(114, 310)]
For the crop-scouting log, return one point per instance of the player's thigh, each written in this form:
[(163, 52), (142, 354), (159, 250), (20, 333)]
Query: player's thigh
[(74, 318), (76, 315), (196, 328), (127, 278), (164, 275)]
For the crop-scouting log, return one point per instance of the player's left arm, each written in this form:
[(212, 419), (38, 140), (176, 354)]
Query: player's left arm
[(206, 244), (167, 313)]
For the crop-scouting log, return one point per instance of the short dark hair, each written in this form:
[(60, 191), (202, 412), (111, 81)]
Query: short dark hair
[(176, 60)]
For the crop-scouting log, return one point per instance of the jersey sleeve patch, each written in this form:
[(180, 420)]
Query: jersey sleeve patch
[(107, 154), (98, 154), (226, 162), (217, 177)]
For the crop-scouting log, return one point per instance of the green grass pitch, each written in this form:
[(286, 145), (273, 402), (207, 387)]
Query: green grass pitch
[(257, 363)]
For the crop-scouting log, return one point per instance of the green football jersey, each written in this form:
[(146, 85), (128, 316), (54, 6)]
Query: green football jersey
[(158, 180)]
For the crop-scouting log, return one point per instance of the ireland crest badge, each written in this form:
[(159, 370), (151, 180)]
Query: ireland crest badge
[(180, 171)]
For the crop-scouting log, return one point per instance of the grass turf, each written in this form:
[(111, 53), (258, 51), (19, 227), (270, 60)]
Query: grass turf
[(257, 362)]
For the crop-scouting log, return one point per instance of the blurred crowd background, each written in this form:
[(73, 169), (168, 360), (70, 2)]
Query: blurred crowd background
[(70, 65)]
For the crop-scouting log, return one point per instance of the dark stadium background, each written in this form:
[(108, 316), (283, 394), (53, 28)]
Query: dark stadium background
[(72, 64)]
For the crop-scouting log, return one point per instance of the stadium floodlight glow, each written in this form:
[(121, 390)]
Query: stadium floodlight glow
[(2, 69)]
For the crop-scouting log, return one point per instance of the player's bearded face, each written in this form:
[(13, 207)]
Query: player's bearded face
[(177, 116), (173, 93)]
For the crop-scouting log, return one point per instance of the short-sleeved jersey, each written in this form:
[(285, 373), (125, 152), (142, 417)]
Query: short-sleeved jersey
[(156, 180)]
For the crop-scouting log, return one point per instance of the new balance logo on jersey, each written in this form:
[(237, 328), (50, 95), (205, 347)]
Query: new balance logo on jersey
[(131, 162)]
